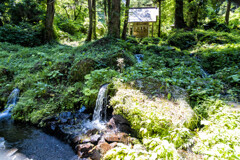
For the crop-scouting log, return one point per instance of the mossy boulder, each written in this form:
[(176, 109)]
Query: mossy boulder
[(182, 40), (155, 115), (113, 60), (82, 68)]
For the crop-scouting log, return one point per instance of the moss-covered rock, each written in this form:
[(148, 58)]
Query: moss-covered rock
[(153, 116), (114, 61), (182, 40), (82, 68)]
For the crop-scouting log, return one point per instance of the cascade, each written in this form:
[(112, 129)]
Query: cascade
[(12, 101), (139, 57), (100, 111)]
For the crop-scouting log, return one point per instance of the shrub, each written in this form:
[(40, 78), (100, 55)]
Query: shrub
[(94, 81), (182, 40), (24, 34)]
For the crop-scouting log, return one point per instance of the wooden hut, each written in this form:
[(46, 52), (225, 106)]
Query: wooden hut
[(141, 20)]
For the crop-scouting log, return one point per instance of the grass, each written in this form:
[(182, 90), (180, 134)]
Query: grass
[(168, 100)]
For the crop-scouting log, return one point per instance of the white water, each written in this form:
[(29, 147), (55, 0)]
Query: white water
[(204, 73), (139, 57), (12, 101), (100, 111)]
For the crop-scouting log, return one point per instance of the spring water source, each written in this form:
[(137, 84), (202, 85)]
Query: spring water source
[(28, 140)]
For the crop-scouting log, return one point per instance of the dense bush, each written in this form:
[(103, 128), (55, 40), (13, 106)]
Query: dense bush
[(23, 34), (182, 40)]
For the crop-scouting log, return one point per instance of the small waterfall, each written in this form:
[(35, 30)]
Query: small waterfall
[(204, 73), (12, 101), (100, 111), (139, 57)]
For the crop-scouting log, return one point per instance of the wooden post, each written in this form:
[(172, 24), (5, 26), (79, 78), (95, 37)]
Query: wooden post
[(152, 29)]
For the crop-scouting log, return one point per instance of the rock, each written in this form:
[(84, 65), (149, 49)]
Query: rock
[(11, 152), (95, 138), (103, 148), (102, 140), (116, 137), (111, 59), (92, 132), (114, 144), (65, 116), (81, 68), (118, 123), (83, 150)]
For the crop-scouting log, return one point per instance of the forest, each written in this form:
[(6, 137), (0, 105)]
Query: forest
[(72, 70)]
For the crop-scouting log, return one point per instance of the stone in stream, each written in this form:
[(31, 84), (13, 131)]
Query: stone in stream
[(95, 138), (118, 123), (83, 150), (117, 137)]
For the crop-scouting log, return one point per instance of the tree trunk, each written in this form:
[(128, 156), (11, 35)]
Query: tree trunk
[(105, 9), (114, 22), (1, 23), (179, 20), (49, 32), (109, 12), (160, 17), (94, 19), (89, 37), (228, 12), (124, 33)]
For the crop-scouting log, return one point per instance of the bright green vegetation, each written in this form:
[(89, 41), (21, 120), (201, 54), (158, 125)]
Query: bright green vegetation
[(169, 100)]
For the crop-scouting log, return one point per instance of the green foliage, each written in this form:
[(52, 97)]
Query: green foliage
[(215, 57), (26, 11), (154, 117), (93, 82), (24, 34), (182, 40), (157, 149), (219, 139)]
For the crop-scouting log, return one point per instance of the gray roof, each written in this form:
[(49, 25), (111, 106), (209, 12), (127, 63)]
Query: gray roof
[(148, 14)]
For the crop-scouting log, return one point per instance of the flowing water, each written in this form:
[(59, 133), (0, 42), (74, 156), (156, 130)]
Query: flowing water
[(37, 145), (100, 111), (12, 101), (28, 140), (139, 57)]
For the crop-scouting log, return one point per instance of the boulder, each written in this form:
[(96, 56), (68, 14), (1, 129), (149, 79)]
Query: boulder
[(111, 60), (121, 137), (103, 148), (81, 68), (83, 150), (95, 138), (118, 123)]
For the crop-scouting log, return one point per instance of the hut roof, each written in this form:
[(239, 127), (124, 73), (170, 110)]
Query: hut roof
[(147, 14)]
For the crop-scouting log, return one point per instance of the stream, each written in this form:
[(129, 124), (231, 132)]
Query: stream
[(34, 143)]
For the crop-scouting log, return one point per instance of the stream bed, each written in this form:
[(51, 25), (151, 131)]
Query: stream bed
[(34, 143)]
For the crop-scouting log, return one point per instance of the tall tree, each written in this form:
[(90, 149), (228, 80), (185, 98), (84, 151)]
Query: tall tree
[(124, 32), (49, 31), (94, 14), (179, 20), (109, 12), (105, 9), (114, 20), (160, 17), (228, 12), (89, 37)]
